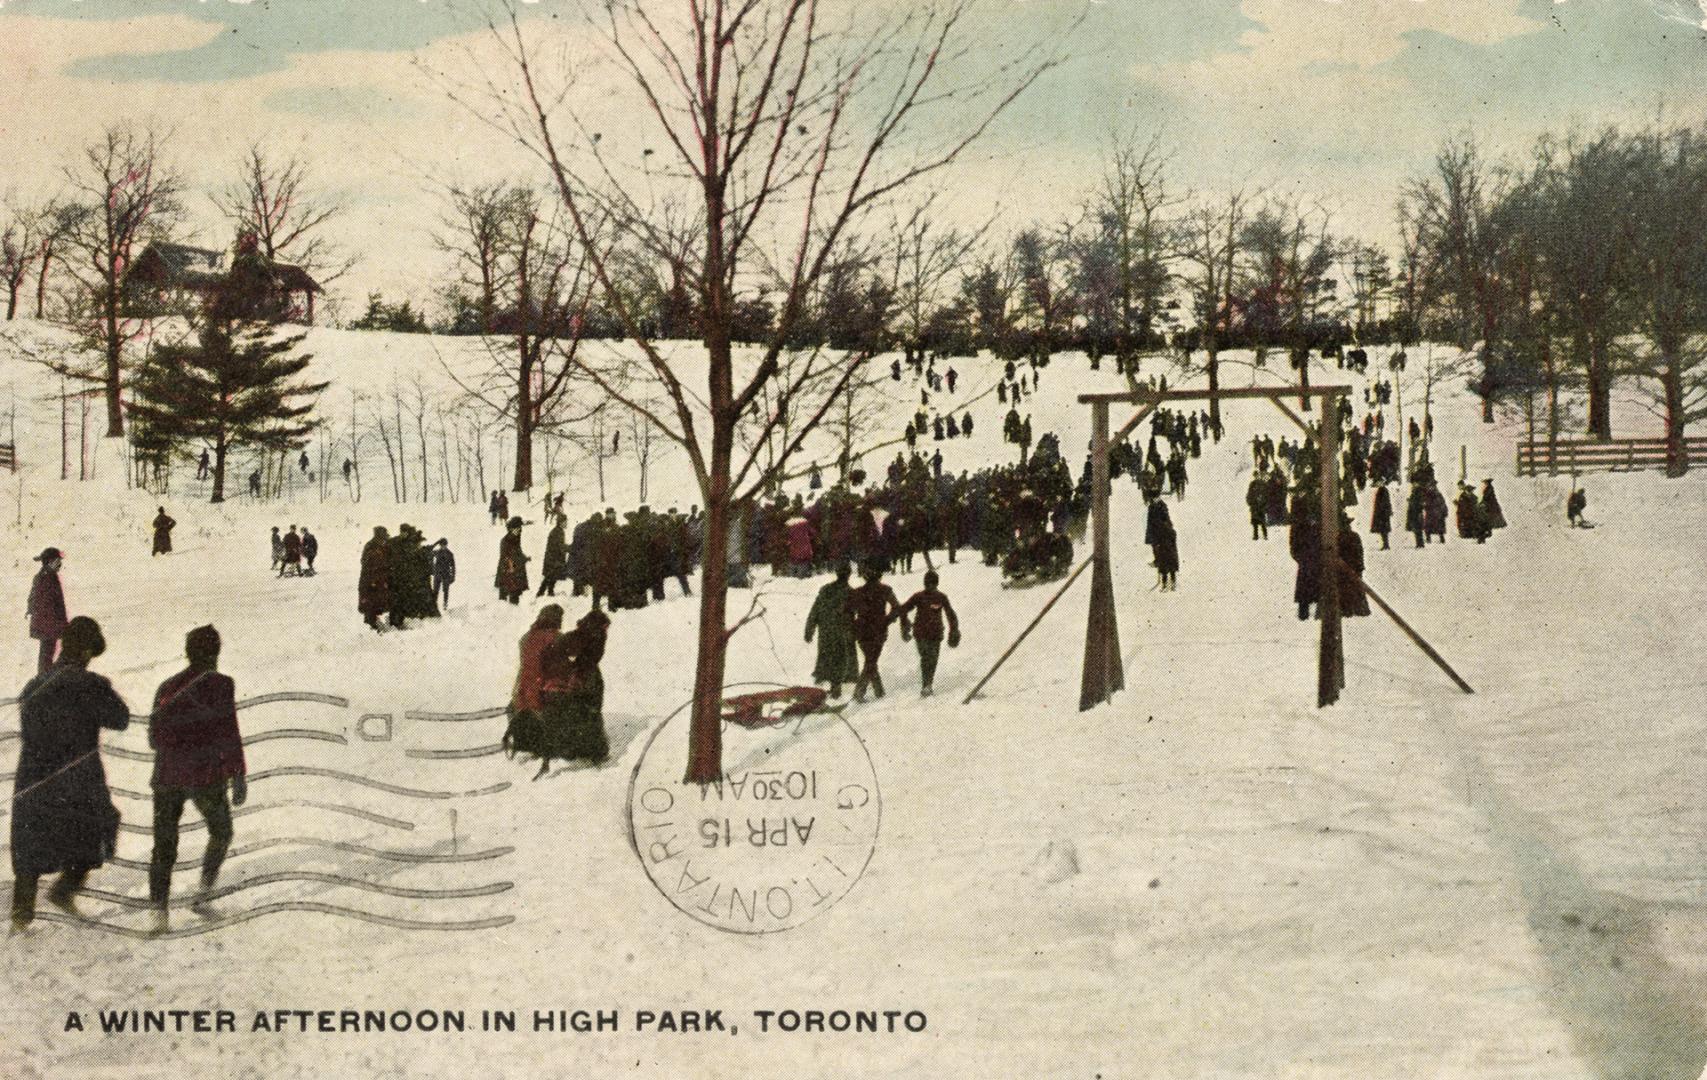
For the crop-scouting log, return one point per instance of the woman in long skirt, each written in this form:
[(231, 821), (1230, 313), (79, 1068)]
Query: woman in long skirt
[(525, 730), (573, 695)]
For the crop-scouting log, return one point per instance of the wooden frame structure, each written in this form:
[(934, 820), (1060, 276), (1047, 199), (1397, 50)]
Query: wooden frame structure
[(1103, 671)]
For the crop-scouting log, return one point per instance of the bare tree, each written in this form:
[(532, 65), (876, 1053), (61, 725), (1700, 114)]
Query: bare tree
[(274, 201), (1289, 256), (925, 261), (790, 125), (125, 195), (1208, 243), (1455, 214), (20, 247), (1131, 215), (1667, 276), (537, 291)]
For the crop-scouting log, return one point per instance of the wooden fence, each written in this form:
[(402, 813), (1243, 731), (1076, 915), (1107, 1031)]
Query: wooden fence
[(8, 457), (1615, 455)]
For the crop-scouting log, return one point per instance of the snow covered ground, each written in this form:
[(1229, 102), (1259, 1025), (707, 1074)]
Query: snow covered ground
[(1208, 877)]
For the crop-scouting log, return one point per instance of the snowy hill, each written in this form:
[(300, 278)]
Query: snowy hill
[(1412, 882)]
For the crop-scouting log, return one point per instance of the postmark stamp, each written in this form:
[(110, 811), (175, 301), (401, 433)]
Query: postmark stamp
[(783, 837)]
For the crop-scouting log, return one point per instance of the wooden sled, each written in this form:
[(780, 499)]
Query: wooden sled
[(767, 708)]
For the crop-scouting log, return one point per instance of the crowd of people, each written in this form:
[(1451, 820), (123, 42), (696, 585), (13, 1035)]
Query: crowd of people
[(403, 578), (294, 552)]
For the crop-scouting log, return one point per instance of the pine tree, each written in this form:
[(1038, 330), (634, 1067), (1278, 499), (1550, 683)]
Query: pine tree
[(238, 385)]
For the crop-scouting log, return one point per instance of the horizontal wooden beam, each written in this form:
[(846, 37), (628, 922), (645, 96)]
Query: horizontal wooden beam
[(1241, 393)]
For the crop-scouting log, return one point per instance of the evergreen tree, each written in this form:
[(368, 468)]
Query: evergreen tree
[(239, 385)]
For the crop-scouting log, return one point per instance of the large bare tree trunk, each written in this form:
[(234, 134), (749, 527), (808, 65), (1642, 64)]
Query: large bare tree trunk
[(1599, 393), (1677, 462)]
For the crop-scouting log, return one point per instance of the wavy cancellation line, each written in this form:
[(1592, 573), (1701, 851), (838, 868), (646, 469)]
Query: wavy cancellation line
[(251, 702), (222, 922), (456, 755), (142, 903), (196, 824), (456, 717), (348, 777), (415, 857)]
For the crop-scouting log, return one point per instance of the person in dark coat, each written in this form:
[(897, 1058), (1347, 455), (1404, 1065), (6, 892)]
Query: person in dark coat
[(831, 621), (1574, 507), (1434, 512), (1256, 499), (444, 572), (310, 551), (871, 608), (572, 694), (1164, 544), (1415, 523), (1304, 541), (63, 817), (1353, 601), (582, 543), (1469, 515), (555, 566), (291, 562), (373, 589), (1492, 516), (198, 753), (1276, 496), (1381, 522), (46, 607), (928, 608), (511, 578), (278, 549), (163, 525)]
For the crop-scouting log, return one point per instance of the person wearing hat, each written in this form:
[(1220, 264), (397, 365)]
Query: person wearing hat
[(163, 525), (63, 817), (512, 576), (198, 755), (46, 610)]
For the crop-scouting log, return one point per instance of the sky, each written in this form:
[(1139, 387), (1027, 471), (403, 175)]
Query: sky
[(1334, 101)]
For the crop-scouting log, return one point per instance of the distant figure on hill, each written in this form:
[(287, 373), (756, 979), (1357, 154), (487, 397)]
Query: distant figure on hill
[(444, 572), (46, 609), (162, 532)]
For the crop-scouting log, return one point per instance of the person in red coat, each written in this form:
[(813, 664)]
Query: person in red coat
[(928, 608), (198, 753), (46, 610), (525, 729)]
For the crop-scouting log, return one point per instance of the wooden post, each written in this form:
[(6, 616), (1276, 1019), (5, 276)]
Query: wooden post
[(1330, 667), (1023, 634), (1102, 674)]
